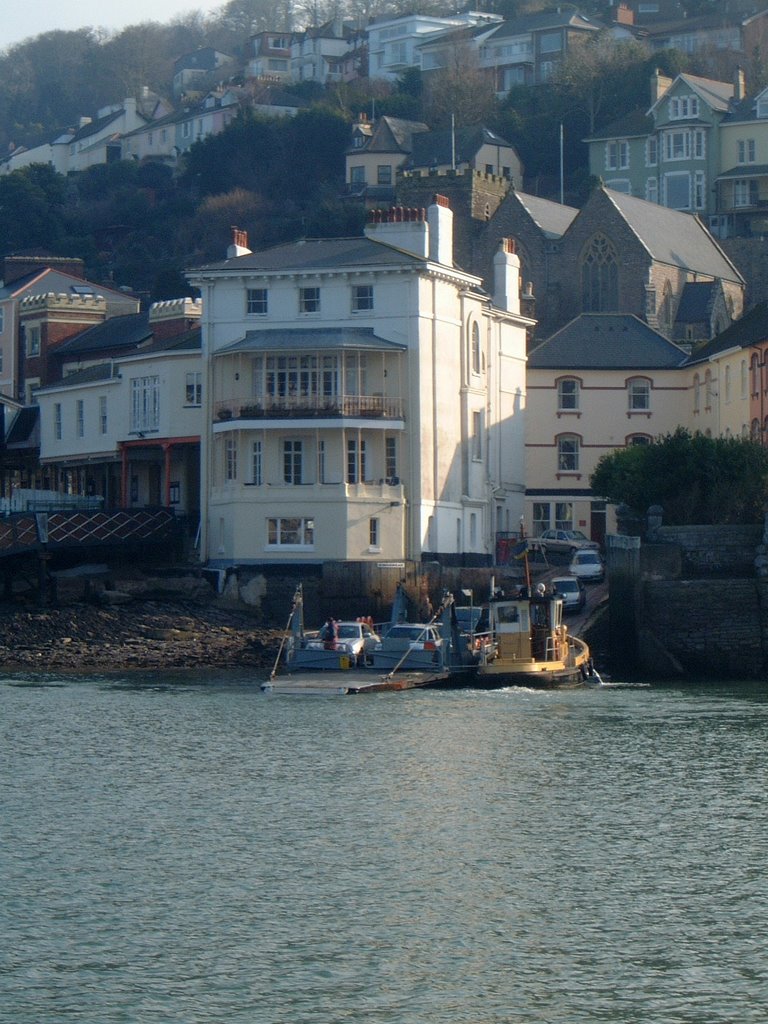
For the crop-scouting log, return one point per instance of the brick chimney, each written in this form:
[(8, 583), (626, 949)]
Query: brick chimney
[(402, 227), (428, 234), (239, 246)]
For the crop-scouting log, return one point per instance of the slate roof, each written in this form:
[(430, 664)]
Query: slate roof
[(751, 329), (311, 338), (696, 301), (90, 375), (74, 285), (606, 341), (717, 95), (553, 219), (320, 254), (117, 332), (25, 428), (636, 123), (430, 148), (544, 20), (189, 341), (745, 171), (93, 127), (393, 134), (669, 236)]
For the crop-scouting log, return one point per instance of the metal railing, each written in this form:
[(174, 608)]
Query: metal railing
[(311, 406)]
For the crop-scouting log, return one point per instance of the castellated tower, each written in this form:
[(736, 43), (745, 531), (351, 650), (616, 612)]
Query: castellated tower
[(473, 196), (174, 317), (45, 321)]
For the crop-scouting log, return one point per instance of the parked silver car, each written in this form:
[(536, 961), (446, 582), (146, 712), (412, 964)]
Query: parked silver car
[(356, 639), (564, 541), (411, 646)]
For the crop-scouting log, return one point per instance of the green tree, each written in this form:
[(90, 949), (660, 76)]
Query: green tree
[(31, 207), (695, 478)]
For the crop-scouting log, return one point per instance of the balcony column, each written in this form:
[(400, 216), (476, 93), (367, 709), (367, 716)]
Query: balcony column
[(123, 476), (167, 448)]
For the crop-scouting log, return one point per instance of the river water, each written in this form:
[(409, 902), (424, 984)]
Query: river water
[(186, 849)]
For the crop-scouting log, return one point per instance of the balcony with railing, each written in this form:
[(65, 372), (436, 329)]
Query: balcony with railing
[(293, 407)]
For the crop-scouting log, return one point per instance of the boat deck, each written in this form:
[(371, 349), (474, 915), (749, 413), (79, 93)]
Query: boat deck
[(342, 684)]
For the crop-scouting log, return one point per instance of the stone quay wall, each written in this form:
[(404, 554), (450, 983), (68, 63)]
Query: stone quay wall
[(693, 601)]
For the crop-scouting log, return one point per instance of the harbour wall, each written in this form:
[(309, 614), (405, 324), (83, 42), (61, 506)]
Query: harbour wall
[(346, 590), (690, 601)]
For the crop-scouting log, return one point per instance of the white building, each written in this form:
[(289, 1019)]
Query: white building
[(364, 399), (394, 44)]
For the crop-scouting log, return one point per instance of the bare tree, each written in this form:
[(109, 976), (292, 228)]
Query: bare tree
[(461, 88), (595, 71)]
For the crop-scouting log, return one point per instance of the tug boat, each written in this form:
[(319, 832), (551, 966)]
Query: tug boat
[(531, 645)]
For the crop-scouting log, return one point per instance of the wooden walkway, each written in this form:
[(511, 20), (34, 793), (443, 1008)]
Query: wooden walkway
[(30, 532)]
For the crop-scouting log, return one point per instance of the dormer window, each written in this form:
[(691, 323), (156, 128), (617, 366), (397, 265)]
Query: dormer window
[(681, 107)]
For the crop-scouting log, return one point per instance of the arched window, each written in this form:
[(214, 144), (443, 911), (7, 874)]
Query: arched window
[(639, 394), (568, 453), (728, 383), (599, 277), (665, 309), (475, 347), (696, 393), (708, 391), (743, 378), (639, 439), (754, 372), (568, 394)]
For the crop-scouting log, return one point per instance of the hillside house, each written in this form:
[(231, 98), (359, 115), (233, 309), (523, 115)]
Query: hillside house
[(377, 150)]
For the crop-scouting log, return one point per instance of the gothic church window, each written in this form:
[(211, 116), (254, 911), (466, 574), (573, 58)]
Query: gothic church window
[(599, 277)]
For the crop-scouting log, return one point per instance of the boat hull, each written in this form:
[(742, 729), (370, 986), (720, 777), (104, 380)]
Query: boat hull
[(537, 677)]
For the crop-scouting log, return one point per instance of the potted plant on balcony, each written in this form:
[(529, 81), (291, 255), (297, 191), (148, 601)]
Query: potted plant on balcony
[(225, 414)]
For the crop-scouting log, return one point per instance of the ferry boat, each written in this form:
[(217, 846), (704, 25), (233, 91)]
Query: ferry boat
[(435, 648), (531, 645)]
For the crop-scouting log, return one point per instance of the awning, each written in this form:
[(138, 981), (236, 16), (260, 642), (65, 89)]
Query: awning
[(311, 340)]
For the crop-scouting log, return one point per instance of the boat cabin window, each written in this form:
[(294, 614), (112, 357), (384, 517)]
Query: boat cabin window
[(507, 613)]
